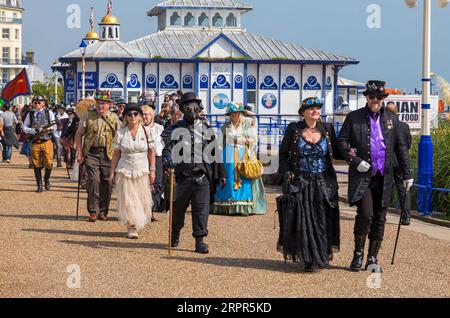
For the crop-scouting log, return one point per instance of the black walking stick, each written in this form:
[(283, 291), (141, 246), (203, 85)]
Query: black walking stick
[(399, 225), (80, 171), (172, 184)]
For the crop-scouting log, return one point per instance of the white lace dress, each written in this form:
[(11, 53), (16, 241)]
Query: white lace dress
[(134, 198)]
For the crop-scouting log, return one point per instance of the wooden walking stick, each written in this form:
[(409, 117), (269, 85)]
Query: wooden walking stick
[(399, 226), (172, 184)]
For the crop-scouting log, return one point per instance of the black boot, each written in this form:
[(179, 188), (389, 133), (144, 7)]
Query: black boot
[(372, 262), (358, 254), (38, 176), (48, 172), (175, 239), (405, 220), (200, 246), (309, 268)]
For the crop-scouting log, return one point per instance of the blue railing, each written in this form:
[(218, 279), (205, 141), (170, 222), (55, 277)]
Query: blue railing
[(268, 125)]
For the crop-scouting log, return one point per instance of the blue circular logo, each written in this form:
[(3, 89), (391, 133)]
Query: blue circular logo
[(238, 79), (269, 101), (151, 79), (221, 80), (203, 78), (268, 81), (133, 80), (169, 79), (329, 81), (112, 79), (312, 81), (251, 79), (221, 101), (290, 81), (187, 80)]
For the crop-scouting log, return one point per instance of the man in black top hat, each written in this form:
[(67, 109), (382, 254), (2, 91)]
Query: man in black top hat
[(195, 169), (369, 142)]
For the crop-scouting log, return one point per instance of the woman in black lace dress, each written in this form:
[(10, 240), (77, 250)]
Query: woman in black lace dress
[(309, 210)]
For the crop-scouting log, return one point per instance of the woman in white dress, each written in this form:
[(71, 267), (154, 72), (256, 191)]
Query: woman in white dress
[(133, 171)]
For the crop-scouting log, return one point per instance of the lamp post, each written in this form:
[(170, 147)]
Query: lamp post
[(425, 162), (83, 46)]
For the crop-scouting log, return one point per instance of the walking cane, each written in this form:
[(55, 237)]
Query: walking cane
[(172, 182), (399, 226), (80, 170)]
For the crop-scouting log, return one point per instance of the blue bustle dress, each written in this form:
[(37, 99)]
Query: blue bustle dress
[(305, 231), (237, 197)]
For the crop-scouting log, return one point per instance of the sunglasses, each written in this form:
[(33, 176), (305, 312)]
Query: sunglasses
[(133, 114), (376, 96)]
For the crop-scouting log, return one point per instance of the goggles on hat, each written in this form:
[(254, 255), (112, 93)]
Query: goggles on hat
[(313, 101)]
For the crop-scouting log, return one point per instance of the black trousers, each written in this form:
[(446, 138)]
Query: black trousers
[(198, 195), (157, 194), (371, 216), (403, 196)]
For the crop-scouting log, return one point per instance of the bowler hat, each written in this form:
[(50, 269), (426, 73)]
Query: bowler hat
[(309, 103), (186, 98)]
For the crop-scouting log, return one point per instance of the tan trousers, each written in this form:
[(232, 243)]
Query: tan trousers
[(42, 151)]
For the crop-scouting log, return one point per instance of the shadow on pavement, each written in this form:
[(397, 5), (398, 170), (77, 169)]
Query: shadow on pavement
[(81, 233), (264, 264), (43, 217)]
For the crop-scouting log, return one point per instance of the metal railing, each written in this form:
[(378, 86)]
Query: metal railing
[(269, 125)]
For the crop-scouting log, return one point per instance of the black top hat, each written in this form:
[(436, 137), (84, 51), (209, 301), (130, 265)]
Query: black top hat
[(375, 87), (38, 98), (186, 98), (310, 102), (132, 107)]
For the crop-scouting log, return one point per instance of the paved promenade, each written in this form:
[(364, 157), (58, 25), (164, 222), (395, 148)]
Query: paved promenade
[(41, 242)]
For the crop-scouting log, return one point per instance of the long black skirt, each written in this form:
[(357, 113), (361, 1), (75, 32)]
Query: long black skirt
[(309, 226)]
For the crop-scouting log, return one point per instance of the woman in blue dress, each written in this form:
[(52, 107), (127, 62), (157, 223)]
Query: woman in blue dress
[(237, 197), (309, 210)]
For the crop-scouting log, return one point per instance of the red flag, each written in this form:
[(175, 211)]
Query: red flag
[(17, 87)]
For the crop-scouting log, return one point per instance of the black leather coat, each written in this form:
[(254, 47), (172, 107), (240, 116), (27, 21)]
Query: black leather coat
[(355, 133)]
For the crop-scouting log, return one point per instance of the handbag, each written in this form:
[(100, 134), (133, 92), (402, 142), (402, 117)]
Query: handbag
[(250, 168)]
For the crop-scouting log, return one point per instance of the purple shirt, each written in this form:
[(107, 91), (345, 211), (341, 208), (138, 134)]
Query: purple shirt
[(377, 145)]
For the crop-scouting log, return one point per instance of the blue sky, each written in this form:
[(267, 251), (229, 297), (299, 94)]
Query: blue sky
[(392, 52)]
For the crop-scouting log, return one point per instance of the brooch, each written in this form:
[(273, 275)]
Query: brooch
[(390, 124)]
